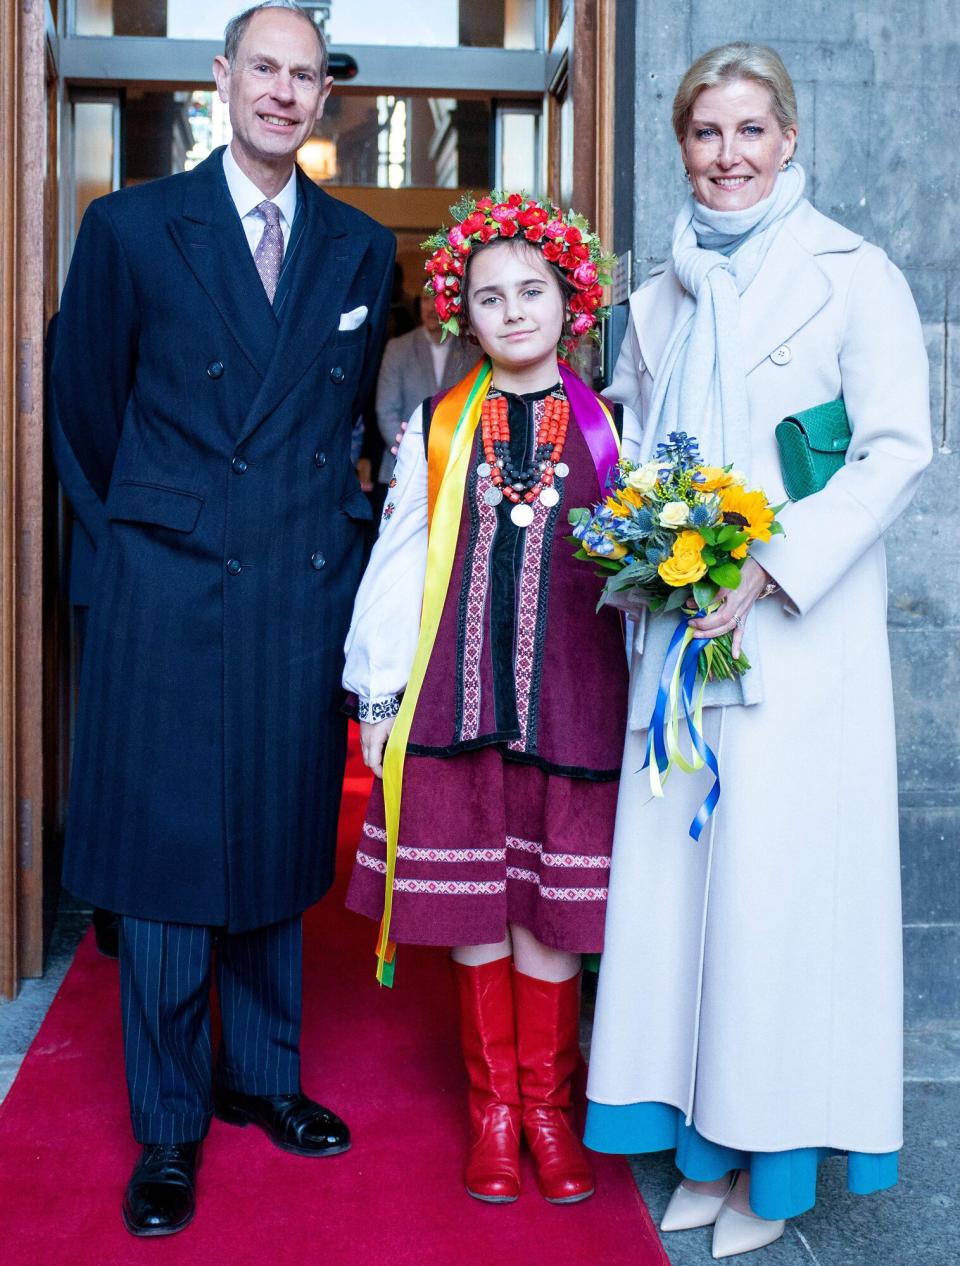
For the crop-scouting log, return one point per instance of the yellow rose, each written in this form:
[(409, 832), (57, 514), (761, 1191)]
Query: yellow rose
[(685, 564), (644, 478), (675, 514)]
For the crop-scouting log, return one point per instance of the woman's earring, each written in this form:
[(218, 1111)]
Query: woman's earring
[(786, 162), (686, 171)]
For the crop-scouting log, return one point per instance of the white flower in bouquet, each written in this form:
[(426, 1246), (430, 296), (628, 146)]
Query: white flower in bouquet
[(675, 514), (644, 478)]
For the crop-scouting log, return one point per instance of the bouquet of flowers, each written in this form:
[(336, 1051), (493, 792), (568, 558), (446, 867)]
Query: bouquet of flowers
[(677, 531)]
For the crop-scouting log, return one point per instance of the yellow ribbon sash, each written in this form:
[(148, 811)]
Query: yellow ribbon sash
[(452, 430)]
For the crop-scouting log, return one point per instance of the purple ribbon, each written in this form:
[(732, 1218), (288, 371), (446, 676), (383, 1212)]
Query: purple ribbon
[(593, 423)]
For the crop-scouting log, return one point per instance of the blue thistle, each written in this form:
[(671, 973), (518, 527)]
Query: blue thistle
[(702, 516)]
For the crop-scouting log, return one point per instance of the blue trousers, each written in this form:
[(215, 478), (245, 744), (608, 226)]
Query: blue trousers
[(165, 978)]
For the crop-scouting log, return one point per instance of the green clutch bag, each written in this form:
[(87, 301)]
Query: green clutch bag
[(812, 445)]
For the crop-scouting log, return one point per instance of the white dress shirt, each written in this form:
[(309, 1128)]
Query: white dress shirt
[(247, 197)]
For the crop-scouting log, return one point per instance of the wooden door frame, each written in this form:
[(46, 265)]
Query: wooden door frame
[(23, 41), (583, 42)]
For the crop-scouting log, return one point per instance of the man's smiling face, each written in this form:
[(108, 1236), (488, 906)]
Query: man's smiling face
[(274, 89)]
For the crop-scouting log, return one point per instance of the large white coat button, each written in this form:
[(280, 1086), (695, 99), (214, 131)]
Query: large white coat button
[(782, 355)]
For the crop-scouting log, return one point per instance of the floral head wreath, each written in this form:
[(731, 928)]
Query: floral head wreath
[(566, 240)]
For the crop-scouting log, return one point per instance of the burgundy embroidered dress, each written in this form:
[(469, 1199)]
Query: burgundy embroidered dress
[(512, 767)]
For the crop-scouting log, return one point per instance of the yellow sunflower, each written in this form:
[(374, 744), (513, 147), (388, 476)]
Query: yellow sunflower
[(623, 501), (714, 478), (748, 511)]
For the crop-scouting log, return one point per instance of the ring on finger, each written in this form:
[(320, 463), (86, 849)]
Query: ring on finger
[(738, 621)]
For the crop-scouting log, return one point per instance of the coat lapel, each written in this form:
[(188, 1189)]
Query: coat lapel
[(656, 308), (211, 240), (320, 273), (790, 288)]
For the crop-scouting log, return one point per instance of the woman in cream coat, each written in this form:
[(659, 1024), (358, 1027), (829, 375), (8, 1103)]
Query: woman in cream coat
[(750, 999)]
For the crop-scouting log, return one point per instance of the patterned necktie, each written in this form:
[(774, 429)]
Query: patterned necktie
[(269, 253)]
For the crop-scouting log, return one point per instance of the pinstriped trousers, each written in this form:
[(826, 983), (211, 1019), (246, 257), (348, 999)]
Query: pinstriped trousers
[(165, 977)]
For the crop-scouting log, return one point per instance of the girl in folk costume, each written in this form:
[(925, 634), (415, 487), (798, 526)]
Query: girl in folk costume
[(491, 696)]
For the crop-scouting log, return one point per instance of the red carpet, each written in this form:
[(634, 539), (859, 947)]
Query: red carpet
[(388, 1061)]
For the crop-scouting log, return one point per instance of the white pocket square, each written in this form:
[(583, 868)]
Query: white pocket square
[(353, 320)]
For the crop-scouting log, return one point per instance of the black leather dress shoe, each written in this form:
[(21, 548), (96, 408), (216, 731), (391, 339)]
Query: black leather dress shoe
[(292, 1122), (161, 1194), (106, 930)]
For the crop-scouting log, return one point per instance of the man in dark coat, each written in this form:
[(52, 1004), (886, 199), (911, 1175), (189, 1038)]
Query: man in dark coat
[(218, 334)]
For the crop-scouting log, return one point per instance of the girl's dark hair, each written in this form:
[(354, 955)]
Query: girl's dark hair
[(567, 288)]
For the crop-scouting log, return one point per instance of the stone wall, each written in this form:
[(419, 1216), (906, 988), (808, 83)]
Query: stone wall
[(877, 84)]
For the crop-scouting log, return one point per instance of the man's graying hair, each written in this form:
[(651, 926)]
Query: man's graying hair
[(236, 29)]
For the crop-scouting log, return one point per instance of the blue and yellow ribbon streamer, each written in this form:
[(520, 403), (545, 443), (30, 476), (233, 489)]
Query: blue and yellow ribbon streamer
[(678, 685)]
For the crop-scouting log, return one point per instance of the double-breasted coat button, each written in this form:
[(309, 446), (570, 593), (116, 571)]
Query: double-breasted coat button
[(782, 356), (234, 566), (317, 561), (239, 466), (215, 369), (320, 459), (336, 374)]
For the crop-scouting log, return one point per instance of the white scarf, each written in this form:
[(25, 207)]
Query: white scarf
[(701, 386)]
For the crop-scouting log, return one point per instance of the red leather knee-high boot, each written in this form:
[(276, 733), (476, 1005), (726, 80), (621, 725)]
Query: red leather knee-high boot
[(488, 1036), (548, 1055)]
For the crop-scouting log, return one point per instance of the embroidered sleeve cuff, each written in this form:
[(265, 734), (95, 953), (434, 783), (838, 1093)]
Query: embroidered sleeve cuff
[(372, 710)]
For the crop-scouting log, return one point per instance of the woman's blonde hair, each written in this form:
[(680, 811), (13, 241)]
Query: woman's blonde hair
[(740, 60)]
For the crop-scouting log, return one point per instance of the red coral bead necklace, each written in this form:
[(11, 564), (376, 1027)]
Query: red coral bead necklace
[(523, 485)]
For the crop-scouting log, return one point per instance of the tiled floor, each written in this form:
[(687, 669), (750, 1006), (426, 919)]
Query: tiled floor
[(916, 1224)]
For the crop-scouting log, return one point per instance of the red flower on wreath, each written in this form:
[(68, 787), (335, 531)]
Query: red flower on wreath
[(534, 233), (585, 275), (473, 223), (531, 215), (552, 252), (508, 228), (503, 213)]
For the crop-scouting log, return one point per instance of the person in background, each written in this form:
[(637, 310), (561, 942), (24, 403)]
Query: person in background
[(749, 1011), (414, 366)]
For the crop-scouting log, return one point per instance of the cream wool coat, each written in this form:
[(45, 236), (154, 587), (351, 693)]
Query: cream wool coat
[(755, 980)]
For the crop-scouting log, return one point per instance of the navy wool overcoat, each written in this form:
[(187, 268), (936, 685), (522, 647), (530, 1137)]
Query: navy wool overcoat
[(215, 429)]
